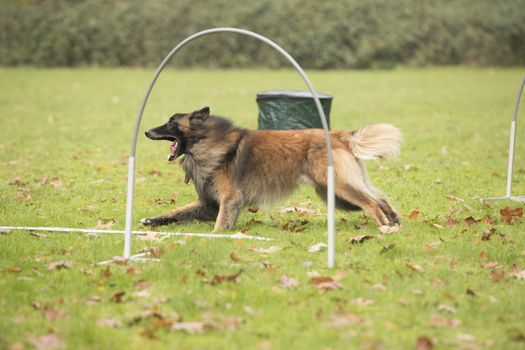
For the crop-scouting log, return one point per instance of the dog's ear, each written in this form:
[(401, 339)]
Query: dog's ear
[(200, 115)]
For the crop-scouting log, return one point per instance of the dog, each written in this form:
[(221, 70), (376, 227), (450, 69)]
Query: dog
[(232, 168)]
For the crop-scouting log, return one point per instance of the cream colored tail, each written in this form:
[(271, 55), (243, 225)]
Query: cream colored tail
[(374, 141)]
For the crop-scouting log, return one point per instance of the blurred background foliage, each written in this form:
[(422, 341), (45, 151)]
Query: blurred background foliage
[(319, 34)]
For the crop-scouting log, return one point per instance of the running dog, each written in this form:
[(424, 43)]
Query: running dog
[(232, 167)]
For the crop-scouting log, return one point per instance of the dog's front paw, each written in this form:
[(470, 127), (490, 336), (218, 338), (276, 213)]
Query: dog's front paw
[(148, 222), (389, 229)]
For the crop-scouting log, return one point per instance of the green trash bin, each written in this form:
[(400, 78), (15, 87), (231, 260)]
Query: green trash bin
[(291, 110)]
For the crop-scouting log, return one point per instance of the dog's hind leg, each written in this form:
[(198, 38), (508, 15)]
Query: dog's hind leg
[(194, 211)]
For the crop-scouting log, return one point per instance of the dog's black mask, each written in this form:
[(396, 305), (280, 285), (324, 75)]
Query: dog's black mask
[(178, 130)]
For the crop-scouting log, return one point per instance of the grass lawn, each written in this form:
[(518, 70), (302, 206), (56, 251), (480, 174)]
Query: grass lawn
[(449, 279)]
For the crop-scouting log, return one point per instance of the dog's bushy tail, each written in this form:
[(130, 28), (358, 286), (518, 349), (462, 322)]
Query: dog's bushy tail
[(375, 141)]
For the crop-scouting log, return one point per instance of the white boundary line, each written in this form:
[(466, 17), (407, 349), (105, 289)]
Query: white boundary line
[(160, 233)]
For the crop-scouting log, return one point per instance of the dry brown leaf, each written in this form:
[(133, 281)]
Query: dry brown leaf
[(490, 265), (217, 279), (497, 276), (192, 327), (424, 343), (317, 247), (363, 301), (56, 182), (440, 322), (109, 321), (344, 320), (18, 181), (519, 274), (325, 283), (52, 314), (486, 235), (104, 224), (288, 282), (454, 198), (14, 269), (471, 221), (154, 173), (235, 257), (253, 209), (446, 308), (117, 297), (49, 341), (37, 235), (414, 214), (430, 246), (61, 264), (92, 299), (414, 267), (508, 215), (260, 250), (360, 239)]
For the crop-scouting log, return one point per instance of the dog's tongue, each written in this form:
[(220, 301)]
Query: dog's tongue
[(173, 151)]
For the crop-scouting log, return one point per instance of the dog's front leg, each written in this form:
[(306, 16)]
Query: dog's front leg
[(228, 212), (194, 211)]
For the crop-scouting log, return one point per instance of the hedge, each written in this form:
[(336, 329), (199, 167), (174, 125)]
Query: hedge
[(322, 35)]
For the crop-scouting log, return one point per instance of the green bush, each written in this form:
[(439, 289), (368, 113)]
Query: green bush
[(331, 34)]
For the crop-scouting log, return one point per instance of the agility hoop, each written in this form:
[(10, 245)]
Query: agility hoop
[(330, 163), (512, 147)]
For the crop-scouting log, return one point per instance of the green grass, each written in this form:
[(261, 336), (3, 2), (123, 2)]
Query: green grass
[(76, 125)]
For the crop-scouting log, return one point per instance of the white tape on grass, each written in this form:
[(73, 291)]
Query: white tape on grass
[(160, 233)]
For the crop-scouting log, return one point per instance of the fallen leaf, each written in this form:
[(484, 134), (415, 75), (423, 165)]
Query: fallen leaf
[(446, 308), (144, 293), (191, 327), (288, 282), (414, 214), (49, 341), (519, 275), (508, 215), (325, 283), (430, 246), (486, 235), (44, 180), (317, 247), (387, 248), (424, 343), (225, 278), (490, 265), (14, 269), (38, 235), (298, 210), (450, 222), (260, 250), (52, 314), (440, 322), (92, 300), (497, 276), (363, 301), (235, 257), (360, 239), (18, 181), (414, 267), (103, 224), (253, 209), (454, 198), (58, 265), (109, 321), (117, 297), (471, 221), (56, 182), (344, 320), (154, 173)]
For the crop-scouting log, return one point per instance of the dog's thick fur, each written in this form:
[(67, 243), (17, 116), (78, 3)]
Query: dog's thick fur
[(233, 167)]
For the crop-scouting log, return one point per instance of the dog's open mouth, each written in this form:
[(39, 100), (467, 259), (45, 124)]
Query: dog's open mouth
[(174, 150)]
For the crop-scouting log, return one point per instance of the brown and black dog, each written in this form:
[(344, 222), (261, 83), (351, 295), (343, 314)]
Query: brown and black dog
[(233, 167)]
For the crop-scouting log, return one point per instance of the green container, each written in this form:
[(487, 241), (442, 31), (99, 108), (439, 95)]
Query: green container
[(291, 110)]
